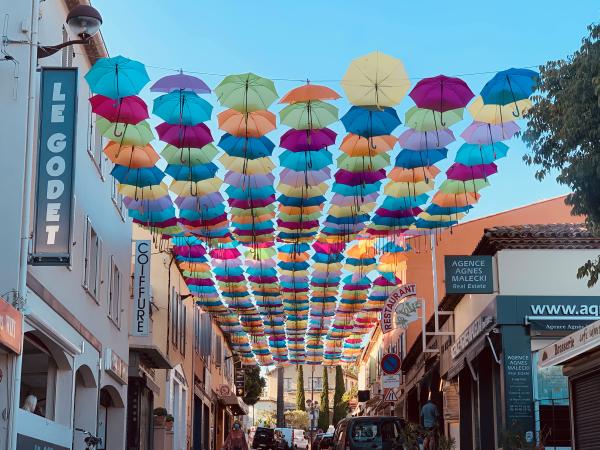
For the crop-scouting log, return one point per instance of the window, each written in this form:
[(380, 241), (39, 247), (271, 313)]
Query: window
[(92, 261), (197, 330), (114, 292), (182, 322), (218, 352), (38, 378), (117, 198), (317, 383), (206, 335), (95, 142), (174, 317), (288, 385)]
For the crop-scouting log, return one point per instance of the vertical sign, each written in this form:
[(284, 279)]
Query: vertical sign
[(140, 317), (56, 158)]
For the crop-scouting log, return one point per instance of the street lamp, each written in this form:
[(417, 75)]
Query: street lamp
[(313, 411), (84, 21)]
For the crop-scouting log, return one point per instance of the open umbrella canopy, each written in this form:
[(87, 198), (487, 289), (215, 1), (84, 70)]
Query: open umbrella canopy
[(363, 163), (400, 174), (246, 92), (143, 193), (190, 156), (139, 134), (463, 172), (429, 120), (377, 80), (441, 93), (308, 93), (191, 173), (180, 81), (355, 145), (307, 140), (131, 155), (183, 136), (461, 187), (395, 189), (130, 110), (410, 159), (246, 147), (300, 161), (370, 122), (473, 155), (498, 114), (485, 133), (117, 77), (447, 200), (309, 115), (423, 140), (252, 124), (250, 167), (182, 107), (141, 177), (509, 86)]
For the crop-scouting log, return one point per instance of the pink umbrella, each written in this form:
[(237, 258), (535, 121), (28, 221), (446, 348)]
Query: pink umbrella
[(130, 110), (423, 140), (225, 253), (461, 172), (184, 136), (180, 81), (482, 133), (251, 202)]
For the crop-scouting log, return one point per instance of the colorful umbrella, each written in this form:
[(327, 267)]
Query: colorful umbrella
[(252, 124), (130, 110), (182, 107), (125, 134), (485, 133), (131, 155), (474, 155), (117, 77), (246, 92), (498, 114), (183, 136), (309, 115), (429, 120), (510, 86), (179, 82)]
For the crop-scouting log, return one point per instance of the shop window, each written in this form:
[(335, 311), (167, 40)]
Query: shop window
[(114, 292), (92, 261), (38, 378)]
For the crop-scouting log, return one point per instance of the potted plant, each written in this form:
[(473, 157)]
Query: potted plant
[(159, 417), (169, 422)]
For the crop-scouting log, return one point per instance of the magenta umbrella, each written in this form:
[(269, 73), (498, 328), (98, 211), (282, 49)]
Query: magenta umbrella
[(307, 140), (185, 136), (130, 110), (399, 213), (485, 133), (244, 181), (225, 253), (359, 178), (180, 81), (441, 93), (461, 172), (424, 140)]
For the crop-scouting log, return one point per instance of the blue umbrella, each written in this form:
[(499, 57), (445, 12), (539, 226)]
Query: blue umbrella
[(411, 159), (182, 108), (436, 210), (254, 193), (367, 122), (395, 203), (301, 161), (393, 221), (297, 201), (140, 177), (429, 224), (193, 173), (474, 155), (117, 77), (246, 147), (355, 191), (510, 86)]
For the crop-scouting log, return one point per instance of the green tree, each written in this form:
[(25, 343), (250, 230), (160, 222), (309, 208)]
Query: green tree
[(300, 397), (324, 404), (254, 385), (340, 408), (564, 136), (296, 419)]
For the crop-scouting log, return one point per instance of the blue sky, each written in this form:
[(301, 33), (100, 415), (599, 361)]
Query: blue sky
[(317, 39)]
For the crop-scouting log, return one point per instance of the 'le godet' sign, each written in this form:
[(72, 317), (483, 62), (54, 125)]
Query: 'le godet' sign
[(140, 317), (56, 155), (469, 275)]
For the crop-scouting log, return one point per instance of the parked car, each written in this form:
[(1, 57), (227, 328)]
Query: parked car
[(300, 442), (362, 433), (264, 439), (326, 442), (288, 436)]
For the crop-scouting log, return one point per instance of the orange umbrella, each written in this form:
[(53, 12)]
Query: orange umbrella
[(455, 200), (194, 266), (132, 156), (296, 210), (293, 257), (251, 219), (402, 175), (252, 124), (355, 145), (308, 93)]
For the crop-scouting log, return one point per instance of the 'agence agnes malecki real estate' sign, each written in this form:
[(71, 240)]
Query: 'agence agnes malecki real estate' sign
[(469, 275)]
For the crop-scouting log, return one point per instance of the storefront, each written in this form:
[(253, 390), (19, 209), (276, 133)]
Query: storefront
[(577, 356)]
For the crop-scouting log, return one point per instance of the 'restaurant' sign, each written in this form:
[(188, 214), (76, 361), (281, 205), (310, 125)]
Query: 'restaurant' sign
[(469, 275), (56, 157), (11, 327), (387, 315), (140, 317)]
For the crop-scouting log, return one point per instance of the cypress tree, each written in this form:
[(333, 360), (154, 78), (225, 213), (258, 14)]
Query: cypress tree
[(339, 406), (300, 397), (324, 404)]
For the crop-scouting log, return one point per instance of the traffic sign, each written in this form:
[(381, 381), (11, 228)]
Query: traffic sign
[(390, 396), (390, 363), (390, 381)]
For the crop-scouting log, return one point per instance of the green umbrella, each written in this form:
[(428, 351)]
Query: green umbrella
[(310, 115), (125, 134), (246, 92), (462, 187), (429, 120), (189, 156), (363, 163)]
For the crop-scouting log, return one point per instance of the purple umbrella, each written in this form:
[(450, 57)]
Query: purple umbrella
[(307, 140), (184, 136), (265, 263), (461, 172), (180, 81), (342, 200), (197, 203), (318, 176), (359, 178), (243, 181), (441, 94), (482, 133), (291, 279), (148, 205), (423, 140)]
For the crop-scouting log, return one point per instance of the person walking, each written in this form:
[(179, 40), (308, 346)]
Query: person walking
[(429, 420), (236, 440)]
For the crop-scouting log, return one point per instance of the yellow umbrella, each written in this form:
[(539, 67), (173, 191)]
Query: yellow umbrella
[(259, 254), (347, 211), (144, 193), (247, 166), (497, 114), (303, 191), (188, 188), (364, 248), (441, 217), (333, 267), (396, 189), (376, 79)]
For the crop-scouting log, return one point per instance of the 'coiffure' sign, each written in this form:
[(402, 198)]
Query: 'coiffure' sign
[(56, 156), (140, 317)]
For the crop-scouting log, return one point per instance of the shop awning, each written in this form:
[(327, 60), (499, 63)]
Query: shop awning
[(235, 405), (467, 356)]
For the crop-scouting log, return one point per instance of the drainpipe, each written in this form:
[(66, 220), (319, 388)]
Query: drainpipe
[(25, 210)]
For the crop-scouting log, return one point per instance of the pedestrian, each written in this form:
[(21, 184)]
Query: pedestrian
[(429, 420), (236, 440)]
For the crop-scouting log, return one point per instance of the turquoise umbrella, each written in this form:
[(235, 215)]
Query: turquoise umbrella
[(117, 77), (182, 107)]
